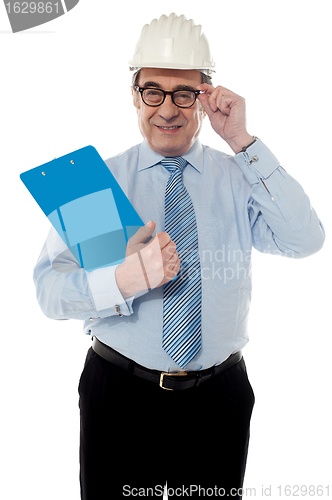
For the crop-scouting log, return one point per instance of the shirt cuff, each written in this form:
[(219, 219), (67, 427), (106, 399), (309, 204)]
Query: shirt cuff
[(257, 162), (106, 295)]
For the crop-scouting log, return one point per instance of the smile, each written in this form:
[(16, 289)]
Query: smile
[(173, 130), (168, 128)]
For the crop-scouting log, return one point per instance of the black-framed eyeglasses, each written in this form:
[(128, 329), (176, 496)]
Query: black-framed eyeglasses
[(155, 97)]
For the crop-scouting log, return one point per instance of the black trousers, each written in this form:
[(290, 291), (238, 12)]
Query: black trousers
[(135, 436)]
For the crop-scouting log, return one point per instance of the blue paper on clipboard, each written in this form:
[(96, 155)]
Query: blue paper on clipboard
[(86, 206)]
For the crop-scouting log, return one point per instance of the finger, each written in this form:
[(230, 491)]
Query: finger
[(209, 97), (170, 263), (175, 256), (208, 91), (164, 239), (222, 99), (168, 251), (206, 88), (204, 100), (232, 101), (142, 234), (216, 94), (153, 262), (172, 270), (223, 103)]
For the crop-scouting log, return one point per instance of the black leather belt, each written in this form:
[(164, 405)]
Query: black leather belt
[(170, 381)]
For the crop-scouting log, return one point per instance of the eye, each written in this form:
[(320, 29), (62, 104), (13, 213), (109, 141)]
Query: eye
[(152, 93), (184, 97)]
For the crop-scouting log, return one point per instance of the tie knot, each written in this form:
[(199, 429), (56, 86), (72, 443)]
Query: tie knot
[(172, 164)]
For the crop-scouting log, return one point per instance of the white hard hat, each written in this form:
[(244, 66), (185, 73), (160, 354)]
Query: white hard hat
[(172, 42)]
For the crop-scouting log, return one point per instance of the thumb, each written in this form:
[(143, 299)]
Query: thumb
[(143, 233), (204, 100)]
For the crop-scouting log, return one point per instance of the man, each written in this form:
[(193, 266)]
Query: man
[(174, 314)]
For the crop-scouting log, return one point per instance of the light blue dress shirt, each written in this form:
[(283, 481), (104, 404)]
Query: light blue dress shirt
[(242, 201)]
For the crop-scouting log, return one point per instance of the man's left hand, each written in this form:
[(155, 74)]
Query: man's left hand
[(227, 114)]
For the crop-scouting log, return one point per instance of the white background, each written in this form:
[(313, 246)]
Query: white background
[(65, 85)]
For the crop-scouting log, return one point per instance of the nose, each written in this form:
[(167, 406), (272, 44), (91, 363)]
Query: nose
[(168, 110)]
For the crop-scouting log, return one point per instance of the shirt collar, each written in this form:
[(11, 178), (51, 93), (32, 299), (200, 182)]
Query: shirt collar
[(149, 158)]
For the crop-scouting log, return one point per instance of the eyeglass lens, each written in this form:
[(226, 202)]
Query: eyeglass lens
[(184, 98)]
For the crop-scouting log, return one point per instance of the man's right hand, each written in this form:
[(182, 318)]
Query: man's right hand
[(147, 265)]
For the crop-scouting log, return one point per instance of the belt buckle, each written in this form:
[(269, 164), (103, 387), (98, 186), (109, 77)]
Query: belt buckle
[(169, 374), (161, 381)]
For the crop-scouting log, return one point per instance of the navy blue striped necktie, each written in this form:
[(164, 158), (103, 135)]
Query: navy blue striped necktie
[(182, 297)]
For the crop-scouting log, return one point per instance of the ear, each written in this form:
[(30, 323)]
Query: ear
[(201, 109), (135, 96)]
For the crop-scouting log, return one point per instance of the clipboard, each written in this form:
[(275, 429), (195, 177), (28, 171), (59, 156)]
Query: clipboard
[(86, 206)]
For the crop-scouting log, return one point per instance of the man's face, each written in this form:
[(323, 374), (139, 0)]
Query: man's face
[(156, 123)]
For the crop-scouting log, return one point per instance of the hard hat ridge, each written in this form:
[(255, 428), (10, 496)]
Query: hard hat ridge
[(172, 42)]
